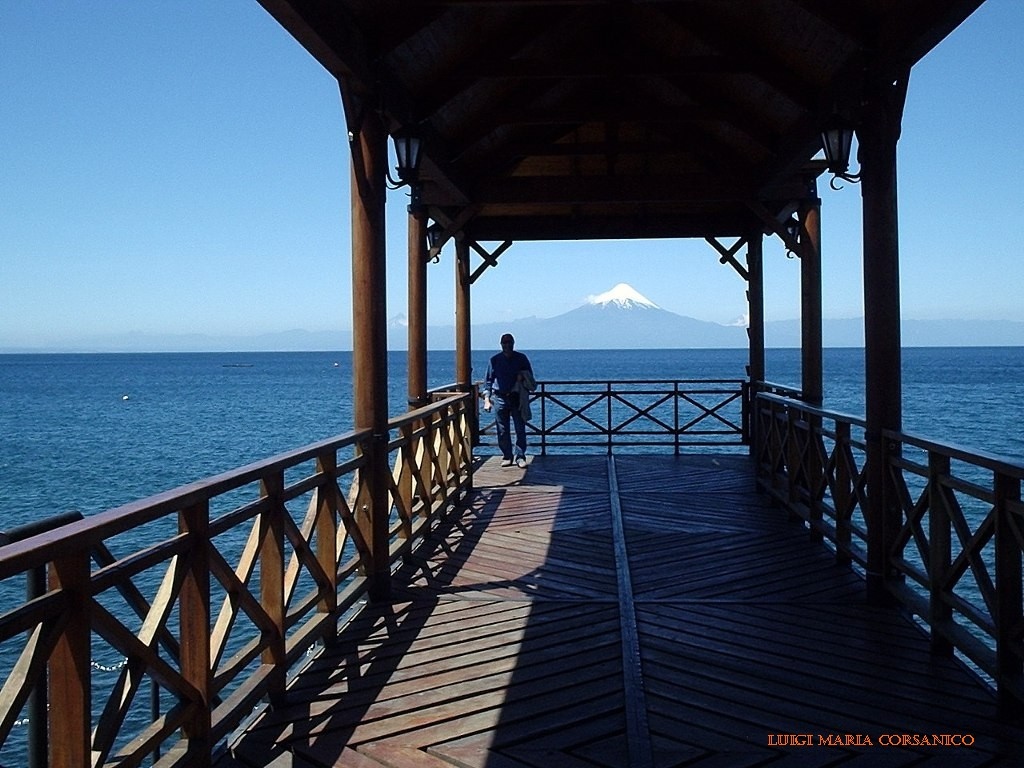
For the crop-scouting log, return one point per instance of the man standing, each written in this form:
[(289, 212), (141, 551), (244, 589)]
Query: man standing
[(508, 384)]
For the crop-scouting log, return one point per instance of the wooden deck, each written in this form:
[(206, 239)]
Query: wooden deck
[(514, 640)]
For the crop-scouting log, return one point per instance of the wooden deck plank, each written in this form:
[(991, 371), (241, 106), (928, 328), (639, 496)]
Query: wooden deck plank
[(503, 648)]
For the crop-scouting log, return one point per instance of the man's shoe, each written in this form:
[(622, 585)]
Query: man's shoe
[(506, 462), (521, 462)]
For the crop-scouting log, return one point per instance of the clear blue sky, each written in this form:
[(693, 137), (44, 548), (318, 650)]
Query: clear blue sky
[(170, 168)]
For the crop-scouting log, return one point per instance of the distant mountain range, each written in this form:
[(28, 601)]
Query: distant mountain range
[(620, 318)]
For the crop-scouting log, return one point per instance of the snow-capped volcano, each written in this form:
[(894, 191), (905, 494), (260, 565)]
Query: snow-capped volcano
[(621, 318), (623, 296)]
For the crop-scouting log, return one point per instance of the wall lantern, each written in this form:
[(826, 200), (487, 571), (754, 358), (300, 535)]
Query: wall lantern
[(434, 234), (837, 141), (435, 239), (407, 149), (792, 228)]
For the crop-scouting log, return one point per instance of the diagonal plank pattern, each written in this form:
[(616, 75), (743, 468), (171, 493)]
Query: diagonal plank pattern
[(503, 646)]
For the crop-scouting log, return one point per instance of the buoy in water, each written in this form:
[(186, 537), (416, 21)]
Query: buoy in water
[(124, 397)]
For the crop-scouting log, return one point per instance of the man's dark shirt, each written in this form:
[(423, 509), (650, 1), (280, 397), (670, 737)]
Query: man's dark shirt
[(503, 371)]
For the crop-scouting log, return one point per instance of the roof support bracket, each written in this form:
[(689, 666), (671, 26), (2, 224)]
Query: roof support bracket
[(728, 255), (773, 225), (452, 227), (489, 259)]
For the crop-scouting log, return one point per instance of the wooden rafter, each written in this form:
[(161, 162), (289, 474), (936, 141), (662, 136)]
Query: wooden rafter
[(585, 119)]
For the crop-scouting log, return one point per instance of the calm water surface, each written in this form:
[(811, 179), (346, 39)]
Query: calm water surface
[(89, 432)]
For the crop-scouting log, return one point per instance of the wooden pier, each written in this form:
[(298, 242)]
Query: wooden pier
[(627, 611)]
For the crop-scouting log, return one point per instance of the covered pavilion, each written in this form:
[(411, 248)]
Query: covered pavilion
[(548, 120), (520, 120)]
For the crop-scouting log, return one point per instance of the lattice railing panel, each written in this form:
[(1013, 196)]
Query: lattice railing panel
[(173, 617), (954, 556)]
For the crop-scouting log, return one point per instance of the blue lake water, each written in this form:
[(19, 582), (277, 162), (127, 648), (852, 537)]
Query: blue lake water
[(70, 440), (89, 432)]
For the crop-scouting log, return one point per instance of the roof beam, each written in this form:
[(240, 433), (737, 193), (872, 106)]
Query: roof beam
[(640, 66), (578, 190), (625, 227)]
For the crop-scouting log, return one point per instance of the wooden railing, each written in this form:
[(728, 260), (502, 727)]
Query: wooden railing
[(209, 594), (956, 561), (665, 413)]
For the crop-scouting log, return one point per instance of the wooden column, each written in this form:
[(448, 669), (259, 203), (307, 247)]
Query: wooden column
[(810, 300), (811, 353), (463, 348), (369, 334), (417, 360), (878, 134), (755, 304), (755, 327)]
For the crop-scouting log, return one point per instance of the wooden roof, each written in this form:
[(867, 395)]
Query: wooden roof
[(559, 119)]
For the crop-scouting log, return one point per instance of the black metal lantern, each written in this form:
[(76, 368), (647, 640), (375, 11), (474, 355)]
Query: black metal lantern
[(407, 149), (837, 142), (435, 239), (435, 233), (792, 228)]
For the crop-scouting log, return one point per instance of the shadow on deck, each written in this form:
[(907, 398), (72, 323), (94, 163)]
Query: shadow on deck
[(509, 642)]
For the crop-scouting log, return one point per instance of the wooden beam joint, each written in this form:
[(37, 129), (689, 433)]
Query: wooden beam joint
[(489, 259), (728, 255)]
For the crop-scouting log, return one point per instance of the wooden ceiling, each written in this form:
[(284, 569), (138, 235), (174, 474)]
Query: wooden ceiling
[(577, 119)]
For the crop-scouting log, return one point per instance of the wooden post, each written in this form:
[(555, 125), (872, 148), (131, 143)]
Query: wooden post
[(463, 349), (327, 533), (417, 307), (1009, 599), (195, 628), (811, 352), (417, 347), (272, 567), (810, 300), (843, 495), (940, 551), (794, 421), (755, 328), (878, 134), (70, 694), (369, 333)]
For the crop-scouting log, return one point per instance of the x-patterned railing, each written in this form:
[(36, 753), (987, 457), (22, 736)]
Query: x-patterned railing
[(209, 594), (666, 413), (958, 555), (956, 561)]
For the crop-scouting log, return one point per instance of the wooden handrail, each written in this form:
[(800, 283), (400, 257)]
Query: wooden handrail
[(991, 461)]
